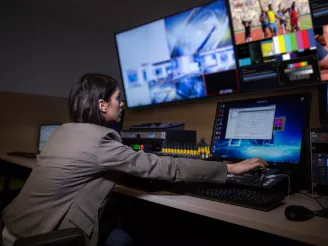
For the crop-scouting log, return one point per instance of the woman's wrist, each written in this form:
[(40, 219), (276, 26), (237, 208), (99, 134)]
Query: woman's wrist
[(230, 168)]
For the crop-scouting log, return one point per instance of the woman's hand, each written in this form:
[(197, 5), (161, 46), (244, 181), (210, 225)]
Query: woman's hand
[(246, 165)]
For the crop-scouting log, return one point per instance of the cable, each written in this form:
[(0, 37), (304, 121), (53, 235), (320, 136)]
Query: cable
[(289, 183), (312, 198), (289, 190)]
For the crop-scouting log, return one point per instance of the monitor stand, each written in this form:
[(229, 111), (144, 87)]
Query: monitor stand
[(323, 213)]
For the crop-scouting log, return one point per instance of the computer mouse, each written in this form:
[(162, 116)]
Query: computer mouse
[(298, 213)]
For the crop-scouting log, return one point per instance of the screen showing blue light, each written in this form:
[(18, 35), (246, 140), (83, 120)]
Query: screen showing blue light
[(174, 58), (268, 128)]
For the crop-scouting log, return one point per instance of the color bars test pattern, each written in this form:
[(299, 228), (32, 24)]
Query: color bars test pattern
[(267, 48), (296, 41), (299, 67)]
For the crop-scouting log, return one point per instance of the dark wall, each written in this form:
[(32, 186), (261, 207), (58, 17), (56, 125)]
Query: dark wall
[(46, 45)]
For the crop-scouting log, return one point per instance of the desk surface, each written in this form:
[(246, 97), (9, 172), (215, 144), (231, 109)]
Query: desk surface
[(313, 231), (22, 161)]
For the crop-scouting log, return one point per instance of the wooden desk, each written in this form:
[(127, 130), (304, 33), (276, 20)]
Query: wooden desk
[(21, 161), (313, 231)]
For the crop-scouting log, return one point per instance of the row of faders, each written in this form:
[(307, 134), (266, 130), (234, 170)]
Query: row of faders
[(185, 150)]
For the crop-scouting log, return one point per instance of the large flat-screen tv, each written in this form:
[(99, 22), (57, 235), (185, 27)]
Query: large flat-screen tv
[(181, 57), (276, 43)]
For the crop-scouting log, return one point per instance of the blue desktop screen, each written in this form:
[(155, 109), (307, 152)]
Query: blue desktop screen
[(270, 128), (179, 57)]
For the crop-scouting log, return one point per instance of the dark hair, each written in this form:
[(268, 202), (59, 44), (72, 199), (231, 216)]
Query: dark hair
[(270, 6), (83, 101)]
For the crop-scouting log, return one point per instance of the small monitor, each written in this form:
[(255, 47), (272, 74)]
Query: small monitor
[(45, 132), (269, 127), (323, 105)]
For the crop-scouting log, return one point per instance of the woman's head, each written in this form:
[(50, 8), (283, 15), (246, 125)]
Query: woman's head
[(95, 99)]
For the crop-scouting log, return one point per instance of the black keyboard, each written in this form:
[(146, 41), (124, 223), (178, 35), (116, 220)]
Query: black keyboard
[(249, 198), (245, 197)]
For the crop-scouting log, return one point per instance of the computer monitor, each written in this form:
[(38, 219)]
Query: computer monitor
[(275, 43), (189, 55), (323, 105), (269, 127), (44, 134)]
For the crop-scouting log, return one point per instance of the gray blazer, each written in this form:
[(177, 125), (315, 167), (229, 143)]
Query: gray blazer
[(68, 188)]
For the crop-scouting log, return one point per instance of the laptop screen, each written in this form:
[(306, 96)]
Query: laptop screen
[(45, 132)]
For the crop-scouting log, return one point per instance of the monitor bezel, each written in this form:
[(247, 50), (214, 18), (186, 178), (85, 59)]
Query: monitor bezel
[(323, 109), (239, 85), (307, 96), (39, 135)]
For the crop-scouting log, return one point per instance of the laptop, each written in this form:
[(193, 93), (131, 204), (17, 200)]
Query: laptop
[(45, 132)]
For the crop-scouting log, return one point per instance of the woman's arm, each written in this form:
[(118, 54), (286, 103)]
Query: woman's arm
[(113, 155), (261, 6)]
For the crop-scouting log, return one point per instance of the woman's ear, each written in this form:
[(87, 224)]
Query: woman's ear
[(103, 105)]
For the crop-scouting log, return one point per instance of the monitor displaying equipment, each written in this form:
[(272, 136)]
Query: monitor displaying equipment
[(185, 56), (323, 105), (45, 132), (317, 160), (276, 45), (271, 128)]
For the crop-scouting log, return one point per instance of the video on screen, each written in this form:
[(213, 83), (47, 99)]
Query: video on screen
[(172, 59), (260, 19), (277, 32)]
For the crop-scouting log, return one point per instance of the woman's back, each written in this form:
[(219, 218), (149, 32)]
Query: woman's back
[(65, 186)]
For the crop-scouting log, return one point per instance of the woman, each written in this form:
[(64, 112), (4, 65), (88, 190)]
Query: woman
[(248, 30), (294, 18), (272, 16), (264, 22), (68, 187), (283, 23)]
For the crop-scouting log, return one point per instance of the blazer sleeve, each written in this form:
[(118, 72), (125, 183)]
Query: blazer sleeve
[(113, 155)]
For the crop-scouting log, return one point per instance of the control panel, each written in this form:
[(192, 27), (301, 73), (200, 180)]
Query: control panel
[(162, 141), (317, 158), (261, 179), (173, 143)]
